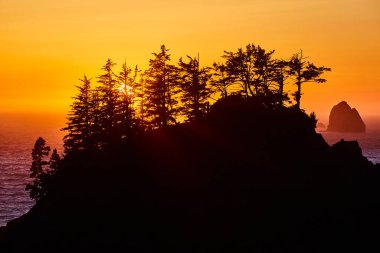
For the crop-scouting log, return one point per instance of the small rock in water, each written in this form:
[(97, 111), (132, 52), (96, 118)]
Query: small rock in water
[(343, 118)]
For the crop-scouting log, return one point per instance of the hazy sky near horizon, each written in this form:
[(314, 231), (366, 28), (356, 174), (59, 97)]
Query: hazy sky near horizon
[(47, 45)]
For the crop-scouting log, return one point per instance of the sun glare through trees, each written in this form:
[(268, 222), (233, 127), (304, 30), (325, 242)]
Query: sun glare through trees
[(128, 100)]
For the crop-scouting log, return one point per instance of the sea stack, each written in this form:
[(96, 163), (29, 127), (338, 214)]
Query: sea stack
[(343, 118)]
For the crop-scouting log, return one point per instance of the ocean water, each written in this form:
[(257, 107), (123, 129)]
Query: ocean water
[(19, 132), (368, 141)]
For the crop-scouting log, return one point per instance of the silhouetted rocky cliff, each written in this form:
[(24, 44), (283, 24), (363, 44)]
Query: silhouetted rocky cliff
[(245, 179), (343, 118)]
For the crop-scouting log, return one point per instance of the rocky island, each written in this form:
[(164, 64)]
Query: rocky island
[(246, 173), (221, 184), (343, 118)]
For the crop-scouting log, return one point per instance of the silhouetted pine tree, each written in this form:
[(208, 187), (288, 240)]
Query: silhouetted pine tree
[(54, 162), (125, 107), (141, 103), (250, 68), (194, 88), (39, 170), (96, 119), (160, 89), (279, 75), (303, 72), (79, 119), (221, 81), (108, 96), (263, 65)]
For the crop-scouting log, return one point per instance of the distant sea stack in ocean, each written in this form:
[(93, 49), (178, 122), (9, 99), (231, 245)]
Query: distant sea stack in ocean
[(343, 118)]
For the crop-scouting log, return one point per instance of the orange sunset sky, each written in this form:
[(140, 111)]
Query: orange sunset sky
[(46, 45)]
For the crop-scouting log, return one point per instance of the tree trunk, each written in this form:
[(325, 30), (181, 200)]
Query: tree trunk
[(298, 95), (281, 91)]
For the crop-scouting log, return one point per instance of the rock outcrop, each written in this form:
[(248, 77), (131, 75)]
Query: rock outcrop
[(343, 118)]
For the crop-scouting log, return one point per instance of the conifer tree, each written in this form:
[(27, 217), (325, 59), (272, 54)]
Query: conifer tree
[(221, 81), (250, 68), (108, 96), (96, 119), (39, 170), (263, 66), (54, 162), (141, 106), (125, 107), (160, 89), (79, 125), (279, 75), (194, 88), (303, 72)]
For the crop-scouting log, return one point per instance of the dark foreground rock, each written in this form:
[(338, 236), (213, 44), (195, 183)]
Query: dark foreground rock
[(246, 179), (343, 118)]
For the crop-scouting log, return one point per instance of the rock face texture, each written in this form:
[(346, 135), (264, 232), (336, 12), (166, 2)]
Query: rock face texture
[(343, 118)]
